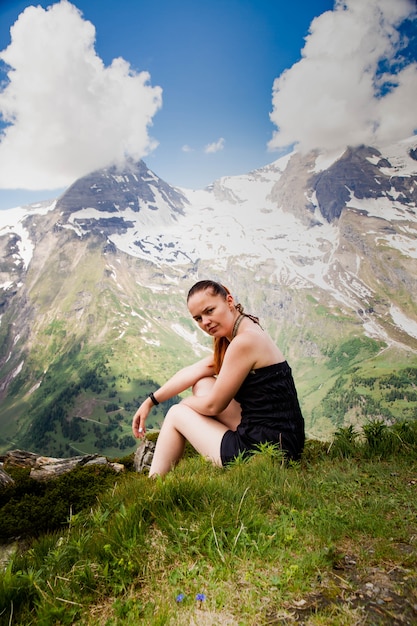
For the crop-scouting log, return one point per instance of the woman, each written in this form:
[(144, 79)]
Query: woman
[(243, 394)]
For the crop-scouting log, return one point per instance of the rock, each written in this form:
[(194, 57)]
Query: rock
[(144, 455), (5, 479), (45, 468), (20, 458), (118, 467)]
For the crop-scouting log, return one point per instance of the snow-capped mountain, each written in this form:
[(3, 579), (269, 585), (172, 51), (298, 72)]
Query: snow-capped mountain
[(310, 217), (322, 246)]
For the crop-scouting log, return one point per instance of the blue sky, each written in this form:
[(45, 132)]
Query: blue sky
[(230, 85)]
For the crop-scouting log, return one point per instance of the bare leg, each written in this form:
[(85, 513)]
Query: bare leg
[(204, 433), (180, 424), (231, 416)]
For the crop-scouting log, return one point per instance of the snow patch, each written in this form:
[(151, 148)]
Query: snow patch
[(326, 160), (402, 321), (151, 342), (398, 156), (12, 222), (7, 285), (191, 338), (17, 370)]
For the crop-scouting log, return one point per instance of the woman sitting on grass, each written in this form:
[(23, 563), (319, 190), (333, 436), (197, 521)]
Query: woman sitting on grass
[(243, 395)]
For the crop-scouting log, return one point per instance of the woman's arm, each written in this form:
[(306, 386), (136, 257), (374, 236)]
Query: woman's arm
[(239, 359), (182, 380)]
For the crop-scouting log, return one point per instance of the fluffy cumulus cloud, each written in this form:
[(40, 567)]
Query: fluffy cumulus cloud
[(353, 84), (66, 113), (211, 148)]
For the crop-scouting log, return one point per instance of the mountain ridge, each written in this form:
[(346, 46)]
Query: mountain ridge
[(322, 248)]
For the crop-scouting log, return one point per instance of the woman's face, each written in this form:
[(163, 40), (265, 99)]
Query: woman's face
[(214, 314)]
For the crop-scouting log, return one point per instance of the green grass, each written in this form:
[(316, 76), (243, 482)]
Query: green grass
[(264, 542)]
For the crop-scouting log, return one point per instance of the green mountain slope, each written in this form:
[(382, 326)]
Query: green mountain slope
[(96, 318), (99, 329)]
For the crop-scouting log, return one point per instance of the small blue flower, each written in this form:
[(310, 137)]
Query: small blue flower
[(200, 597), (179, 598)]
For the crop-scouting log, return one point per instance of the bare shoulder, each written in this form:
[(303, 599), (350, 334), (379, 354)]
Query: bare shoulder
[(262, 348)]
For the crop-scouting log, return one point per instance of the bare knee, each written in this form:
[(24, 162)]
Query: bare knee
[(203, 386), (171, 415)]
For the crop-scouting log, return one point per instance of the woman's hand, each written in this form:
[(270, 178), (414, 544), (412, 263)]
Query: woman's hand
[(139, 419), (181, 381)]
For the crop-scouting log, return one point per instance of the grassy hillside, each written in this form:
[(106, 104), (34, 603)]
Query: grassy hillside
[(331, 540)]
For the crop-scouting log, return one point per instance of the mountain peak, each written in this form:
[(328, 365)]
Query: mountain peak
[(363, 172), (114, 188)]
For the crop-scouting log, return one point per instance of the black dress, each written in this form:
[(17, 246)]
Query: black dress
[(270, 413)]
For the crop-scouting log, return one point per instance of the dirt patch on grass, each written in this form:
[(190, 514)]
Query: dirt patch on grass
[(379, 596), (85, 408)]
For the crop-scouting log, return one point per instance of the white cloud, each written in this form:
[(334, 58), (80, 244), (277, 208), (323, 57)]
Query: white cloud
[(187, 148), (333, 96), (215, 146), (68, 113)]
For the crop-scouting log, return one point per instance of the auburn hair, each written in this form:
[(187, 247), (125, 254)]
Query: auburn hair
[(220, 344)]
